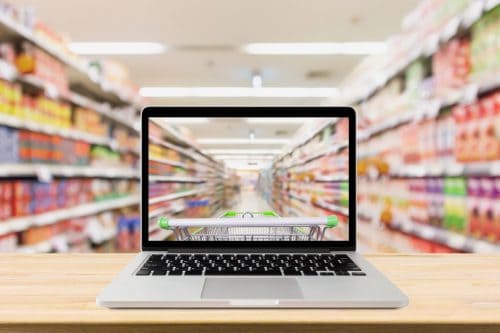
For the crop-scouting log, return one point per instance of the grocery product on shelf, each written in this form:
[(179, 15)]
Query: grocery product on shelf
[(433, 144), (184, 182), (28, 197), (484, 44), (58, 128), (10, 98), (34, 61), (90, 121), (312, 179)]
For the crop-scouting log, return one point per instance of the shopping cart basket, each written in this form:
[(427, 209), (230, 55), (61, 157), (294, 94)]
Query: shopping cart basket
[(249, 226)]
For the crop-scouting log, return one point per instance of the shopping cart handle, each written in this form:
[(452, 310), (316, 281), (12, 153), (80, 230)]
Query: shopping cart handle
[(328, 221)]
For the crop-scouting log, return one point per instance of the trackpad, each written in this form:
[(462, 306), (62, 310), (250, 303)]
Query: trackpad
[(251, 288)]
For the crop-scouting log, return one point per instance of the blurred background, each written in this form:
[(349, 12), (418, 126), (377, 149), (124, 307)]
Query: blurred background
[(422, 75)]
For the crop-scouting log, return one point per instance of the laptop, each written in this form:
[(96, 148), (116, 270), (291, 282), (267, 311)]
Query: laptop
[(281, 233)]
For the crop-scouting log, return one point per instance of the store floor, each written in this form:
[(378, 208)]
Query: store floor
[(250, 201)]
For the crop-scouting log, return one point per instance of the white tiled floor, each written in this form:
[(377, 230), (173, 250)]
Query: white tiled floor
[(250, 201)]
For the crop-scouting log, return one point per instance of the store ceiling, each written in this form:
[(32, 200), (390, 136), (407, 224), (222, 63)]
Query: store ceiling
[(227, 135), (205, 37)]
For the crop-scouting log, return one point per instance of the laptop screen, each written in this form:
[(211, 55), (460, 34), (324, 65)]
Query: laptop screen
[(248, 179)]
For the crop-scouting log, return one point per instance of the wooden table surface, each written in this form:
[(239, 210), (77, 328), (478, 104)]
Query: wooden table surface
[(56, 293)]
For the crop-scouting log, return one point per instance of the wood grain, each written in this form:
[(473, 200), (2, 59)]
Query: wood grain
[(56, 293)]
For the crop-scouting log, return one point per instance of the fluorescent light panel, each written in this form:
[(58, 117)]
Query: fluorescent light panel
[(229, 141), (284, 92), (116, 48), (244, 165), (257, 81), (245, 151), (316, 48), (243, 157)]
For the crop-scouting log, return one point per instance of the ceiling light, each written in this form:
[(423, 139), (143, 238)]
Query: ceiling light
[(316, 48), (270, 120), (192, 120), (243, 157), (247, 165), (291, 92), (105, 48), (257, 80), (251, 135), (231, 141), (245, 151)]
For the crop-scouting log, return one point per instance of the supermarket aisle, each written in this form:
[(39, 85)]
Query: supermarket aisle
[(251, 201)]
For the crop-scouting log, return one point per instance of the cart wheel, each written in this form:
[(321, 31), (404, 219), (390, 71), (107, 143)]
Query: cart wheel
[(245, 213)]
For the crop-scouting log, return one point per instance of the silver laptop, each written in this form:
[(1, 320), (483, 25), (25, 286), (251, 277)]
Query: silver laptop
[(281, 233)]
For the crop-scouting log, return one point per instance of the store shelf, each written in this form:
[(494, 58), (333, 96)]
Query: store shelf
[(330, 179), (377, 238), (429, 109), (42, 247), (103, 237), (317, 154), (165, 211), (449, 169), (161, 233), (175, 179), (186, 152), (425, 48), (174, 196), (176, 136), (442, 236), (10, 73), (79, 75), (311, 133), (321, 204), (49, 170), (174, 163), (23, 223), (332, 208), (63, 132)]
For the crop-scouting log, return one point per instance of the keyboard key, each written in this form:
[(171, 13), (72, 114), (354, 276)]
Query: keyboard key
[(250, 264)]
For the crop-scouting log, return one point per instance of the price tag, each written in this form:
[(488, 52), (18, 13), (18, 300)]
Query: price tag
[(60, 244), (473, 13), (7, 71), (113, 145), (43, 174), (470, 93), (495, 169), (51, 91), (433, 108), (454, 169), (456, 241), (432, 44), (491, 3), (450, 29)]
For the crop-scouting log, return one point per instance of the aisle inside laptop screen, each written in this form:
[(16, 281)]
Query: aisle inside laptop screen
[(248, 179)]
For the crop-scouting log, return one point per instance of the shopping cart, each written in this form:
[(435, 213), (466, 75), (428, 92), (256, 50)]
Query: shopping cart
[(249, 226)]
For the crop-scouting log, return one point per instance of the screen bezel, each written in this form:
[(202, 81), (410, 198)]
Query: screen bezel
[(247, 112)]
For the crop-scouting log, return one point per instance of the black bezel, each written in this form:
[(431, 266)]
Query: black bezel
[(239, 111)]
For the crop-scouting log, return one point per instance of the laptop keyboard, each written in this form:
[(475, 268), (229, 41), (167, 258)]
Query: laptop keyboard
[(250, 264)]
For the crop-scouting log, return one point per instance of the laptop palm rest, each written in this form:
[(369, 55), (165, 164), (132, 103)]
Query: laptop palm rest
[(251, 288)]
